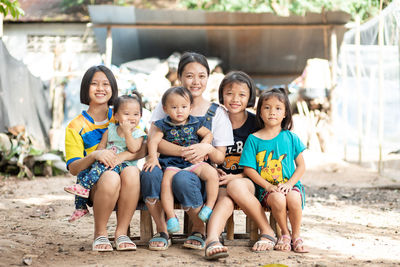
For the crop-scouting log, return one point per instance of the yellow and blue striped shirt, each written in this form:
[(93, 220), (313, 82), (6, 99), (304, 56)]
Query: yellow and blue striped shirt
[(83, 135)]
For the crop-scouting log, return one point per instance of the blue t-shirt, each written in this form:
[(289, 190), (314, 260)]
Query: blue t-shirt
[(273, 159)]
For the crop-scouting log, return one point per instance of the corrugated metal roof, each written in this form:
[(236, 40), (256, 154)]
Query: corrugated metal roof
[(267, 44)]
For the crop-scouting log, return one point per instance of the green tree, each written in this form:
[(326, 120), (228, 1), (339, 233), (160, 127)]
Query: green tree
[(12, 7)]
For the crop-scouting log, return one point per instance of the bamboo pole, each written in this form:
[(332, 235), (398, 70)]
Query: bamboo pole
[(358, 88), (109, 42), (381, 89)]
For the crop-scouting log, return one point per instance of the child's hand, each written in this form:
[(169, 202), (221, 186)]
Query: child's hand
[(272, 188), (220, 173), (107, 157), (126, 127), (150, 164), (223, 180), (285, 188)]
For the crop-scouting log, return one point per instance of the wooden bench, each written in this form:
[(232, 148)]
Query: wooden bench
[(248, 238)]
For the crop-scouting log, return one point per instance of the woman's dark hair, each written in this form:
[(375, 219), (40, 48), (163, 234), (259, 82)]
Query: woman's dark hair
[(134, 96), (179, 90), (189, 57), (279, 93), (238, 77), (87, 80)]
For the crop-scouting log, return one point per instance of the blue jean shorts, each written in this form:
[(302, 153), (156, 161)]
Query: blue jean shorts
[(188, 188)]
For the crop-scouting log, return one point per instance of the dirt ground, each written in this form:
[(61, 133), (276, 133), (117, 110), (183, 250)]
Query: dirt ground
[(351, 218)]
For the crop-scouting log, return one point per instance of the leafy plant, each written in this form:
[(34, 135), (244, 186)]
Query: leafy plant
[(12, 7)]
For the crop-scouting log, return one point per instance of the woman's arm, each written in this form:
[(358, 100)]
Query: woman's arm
[(205, 135), (196, 153), (107, 157)]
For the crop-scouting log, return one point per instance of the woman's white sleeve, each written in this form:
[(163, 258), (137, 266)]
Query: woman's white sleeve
[(221, 129), (158, 113)]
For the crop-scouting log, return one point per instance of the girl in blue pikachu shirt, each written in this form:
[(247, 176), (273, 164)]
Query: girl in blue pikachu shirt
[(272, 158)]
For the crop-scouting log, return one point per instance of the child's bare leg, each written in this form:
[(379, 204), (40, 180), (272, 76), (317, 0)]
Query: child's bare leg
[(222, 211), (209, 175), (293, 200), (167, 197), (277, 202), (242, 192)]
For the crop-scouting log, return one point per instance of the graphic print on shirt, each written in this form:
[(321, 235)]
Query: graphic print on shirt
[(232, 157), (272, 170), (182, 139)]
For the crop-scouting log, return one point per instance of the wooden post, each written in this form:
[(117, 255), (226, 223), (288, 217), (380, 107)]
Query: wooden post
[(108, 58), (358, 88), (230, 227), (381, 90)]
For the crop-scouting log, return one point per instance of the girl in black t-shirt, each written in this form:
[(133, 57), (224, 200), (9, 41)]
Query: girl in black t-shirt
[(237, 92)]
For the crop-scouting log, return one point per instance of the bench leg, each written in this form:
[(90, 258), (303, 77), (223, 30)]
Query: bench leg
[(230, 228), (274, 225), (146, 226)]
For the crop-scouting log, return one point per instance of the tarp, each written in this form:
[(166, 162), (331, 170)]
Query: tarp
[(282, 47), (24, 100)]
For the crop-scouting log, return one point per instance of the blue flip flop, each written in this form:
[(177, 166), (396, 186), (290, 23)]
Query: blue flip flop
[(205, 213), (173, 225), (160, 237)]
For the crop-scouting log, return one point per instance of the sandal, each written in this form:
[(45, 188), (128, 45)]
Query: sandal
[(283, 243), (77, 214), (173, 225), (271, 242), (160, 237), (212, 246), (102, 240), (78, 190), (205, 213), (197, 236), (124, 239), (297, 246)]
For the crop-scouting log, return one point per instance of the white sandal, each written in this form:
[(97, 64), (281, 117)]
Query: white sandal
[(101, 240), (124, 239)]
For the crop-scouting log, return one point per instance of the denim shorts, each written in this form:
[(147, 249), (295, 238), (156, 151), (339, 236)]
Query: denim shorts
[(187, 187)]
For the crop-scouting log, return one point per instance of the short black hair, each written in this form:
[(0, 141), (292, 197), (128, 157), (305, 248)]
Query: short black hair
[(179, 90), (87, 79), (281, 94), (189, 57), (238, 77), (134, 96)]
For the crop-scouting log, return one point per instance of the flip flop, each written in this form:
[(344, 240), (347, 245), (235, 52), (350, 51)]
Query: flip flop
[(102, 240), (124, 239), (297, 246), (283, 245), (77, 214), (271, 241), (211, 246), (197, 236), (160, 237)]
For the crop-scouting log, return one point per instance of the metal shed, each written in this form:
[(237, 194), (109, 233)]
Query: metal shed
[(263, 44)]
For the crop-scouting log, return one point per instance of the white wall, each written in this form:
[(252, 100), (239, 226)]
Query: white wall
[(76, 53)]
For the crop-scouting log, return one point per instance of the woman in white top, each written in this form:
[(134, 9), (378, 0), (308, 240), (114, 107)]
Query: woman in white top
[(193, 73)]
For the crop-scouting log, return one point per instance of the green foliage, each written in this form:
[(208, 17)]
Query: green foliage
[(12, 7), (363, 8)]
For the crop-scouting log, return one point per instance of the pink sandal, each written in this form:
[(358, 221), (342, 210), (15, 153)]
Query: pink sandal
[(283, 243), (77, 214), (77, 189), (297, 246)]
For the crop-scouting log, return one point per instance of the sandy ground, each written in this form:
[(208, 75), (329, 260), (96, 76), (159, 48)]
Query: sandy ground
[(352, 218)]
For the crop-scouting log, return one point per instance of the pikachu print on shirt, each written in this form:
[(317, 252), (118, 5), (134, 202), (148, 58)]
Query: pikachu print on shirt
[(271, 170)]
